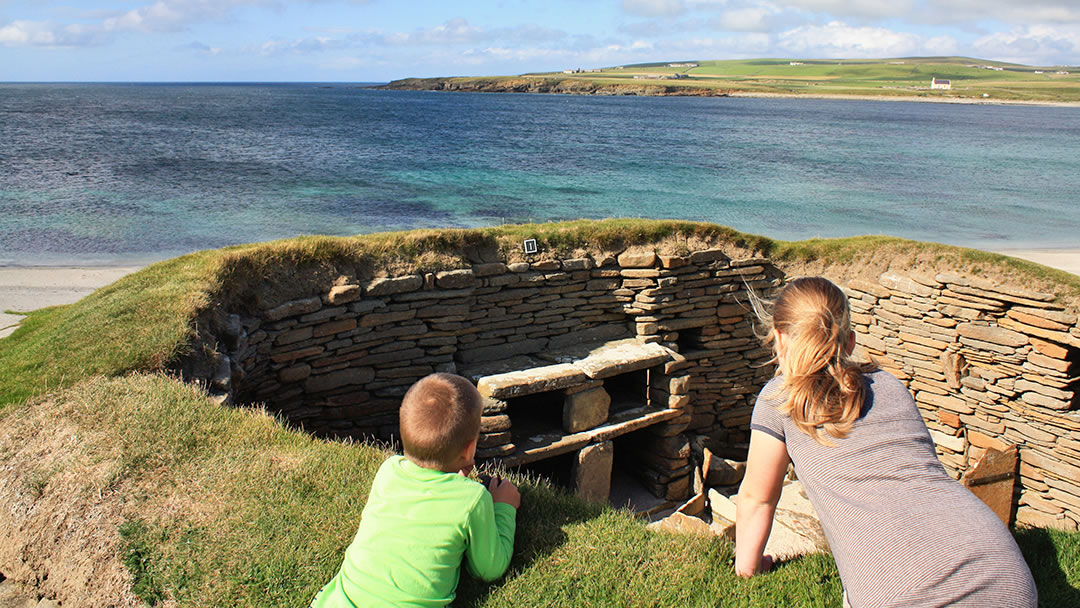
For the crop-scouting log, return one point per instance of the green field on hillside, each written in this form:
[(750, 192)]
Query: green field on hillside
[(903, 77)]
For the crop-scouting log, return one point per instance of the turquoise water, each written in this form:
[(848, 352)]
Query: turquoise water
[(133, 173)]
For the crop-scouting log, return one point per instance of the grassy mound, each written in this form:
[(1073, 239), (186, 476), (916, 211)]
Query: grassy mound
[(136, 488)]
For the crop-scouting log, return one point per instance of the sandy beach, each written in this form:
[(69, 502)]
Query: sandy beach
[(26, 288)]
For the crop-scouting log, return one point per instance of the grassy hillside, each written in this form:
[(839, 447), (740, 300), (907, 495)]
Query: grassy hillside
[(179, 499), (900, 77)]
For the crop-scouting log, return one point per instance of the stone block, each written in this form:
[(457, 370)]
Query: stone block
[(639, 259), (293, 308), (379, 319), (592, 471), (293, 336), (502, 351), (956, 444), (343, 294), (585, 410), (622, 357), (392, 285), (992, 479), (295, 373), (455, 279), (530, 381), (695, 506), (681, 523), (494, 424), (724, 472), (347, 377), (333, 327), (905, 285), (993, 335)]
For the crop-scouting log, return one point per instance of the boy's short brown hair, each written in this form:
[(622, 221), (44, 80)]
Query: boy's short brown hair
[(439, 416)]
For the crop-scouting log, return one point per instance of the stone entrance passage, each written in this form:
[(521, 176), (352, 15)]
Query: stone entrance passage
[(567, 414)]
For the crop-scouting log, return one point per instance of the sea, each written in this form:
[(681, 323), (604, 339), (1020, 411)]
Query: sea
[(134, 173)]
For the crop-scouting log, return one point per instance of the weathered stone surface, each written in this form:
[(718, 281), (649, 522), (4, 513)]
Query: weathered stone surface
[(293, 336), (992, 479), (494, 424), (1054, 364), (981, 440), (724, 472), (392, 285), (952, 365), (1037, 519), (950, 403), (333, 327), (904, 284), (495, 452), (343, 294), (679, 523), (622, 357), (695, 506), (455, 279), (993, 335), (502, 351), (345, 377), (491, 440), (867, 287), (293, 308), (956, 444), (529, 381), (1054, 393), (292, 355), (631, 259), (1034, 398), (585, 410), (295, 373), (592, 471)]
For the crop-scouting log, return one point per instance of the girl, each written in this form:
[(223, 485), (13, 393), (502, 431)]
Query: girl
[(902, 532)]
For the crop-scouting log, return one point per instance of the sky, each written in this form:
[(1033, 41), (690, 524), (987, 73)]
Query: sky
[(382, 40)]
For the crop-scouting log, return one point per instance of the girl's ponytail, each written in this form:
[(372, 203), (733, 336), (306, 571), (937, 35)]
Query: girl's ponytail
[(824, 387)]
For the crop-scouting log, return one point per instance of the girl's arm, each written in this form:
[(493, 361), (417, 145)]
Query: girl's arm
[(766, 466)]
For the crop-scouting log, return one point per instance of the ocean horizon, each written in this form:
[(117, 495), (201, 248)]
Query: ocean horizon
[(131, 173)]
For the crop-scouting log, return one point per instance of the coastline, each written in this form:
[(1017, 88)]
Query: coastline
[(546, 85), (28, 288)]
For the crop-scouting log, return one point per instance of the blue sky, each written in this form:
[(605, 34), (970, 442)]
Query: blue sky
[(380, 40)]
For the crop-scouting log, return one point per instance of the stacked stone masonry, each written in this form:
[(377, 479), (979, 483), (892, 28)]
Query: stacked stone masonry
[(990, 366), (338, 362)]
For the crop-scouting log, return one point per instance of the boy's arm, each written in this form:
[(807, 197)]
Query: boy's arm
[(491, 538)]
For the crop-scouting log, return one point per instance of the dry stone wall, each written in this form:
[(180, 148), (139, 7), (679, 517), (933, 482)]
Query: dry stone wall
[(991, 366)]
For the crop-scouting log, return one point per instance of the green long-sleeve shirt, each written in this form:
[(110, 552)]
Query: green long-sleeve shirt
[(414, 530)]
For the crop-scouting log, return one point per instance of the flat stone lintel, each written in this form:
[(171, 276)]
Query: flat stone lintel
[(554, 444), (529, 381)]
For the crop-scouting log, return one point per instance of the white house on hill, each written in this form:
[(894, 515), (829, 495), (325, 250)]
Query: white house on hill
[(940, 83)]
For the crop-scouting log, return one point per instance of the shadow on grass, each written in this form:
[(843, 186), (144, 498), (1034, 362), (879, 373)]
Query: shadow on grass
[(1054, 559), (544, 511)]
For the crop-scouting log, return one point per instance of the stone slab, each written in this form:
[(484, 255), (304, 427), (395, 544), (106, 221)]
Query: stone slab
[(993, 479), (530, 381), (585, 410), (592, 471)]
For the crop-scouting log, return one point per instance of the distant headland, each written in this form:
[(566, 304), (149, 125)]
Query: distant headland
[(938, 79)]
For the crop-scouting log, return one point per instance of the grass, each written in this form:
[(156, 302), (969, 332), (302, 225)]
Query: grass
[(229, 507)]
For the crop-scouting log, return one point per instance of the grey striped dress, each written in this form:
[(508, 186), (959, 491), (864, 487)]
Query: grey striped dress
[(902, 532)]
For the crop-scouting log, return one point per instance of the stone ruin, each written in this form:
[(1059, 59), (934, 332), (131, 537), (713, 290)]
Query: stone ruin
[(643, 366)]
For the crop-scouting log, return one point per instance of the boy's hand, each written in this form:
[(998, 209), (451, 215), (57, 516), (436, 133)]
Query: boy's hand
[(504, 491)]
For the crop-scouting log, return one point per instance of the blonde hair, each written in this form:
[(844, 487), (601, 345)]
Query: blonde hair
[(439, 416), (824, 387)]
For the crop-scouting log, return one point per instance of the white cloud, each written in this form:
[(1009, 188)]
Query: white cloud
[(199, 47), (654, 8), (838, 40), (49, 34), (1006, 11), (161, 16), (1032, 45), (854, 8), (747, 19)]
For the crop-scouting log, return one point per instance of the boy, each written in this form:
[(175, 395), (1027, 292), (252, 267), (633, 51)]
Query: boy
[(423, 514)]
